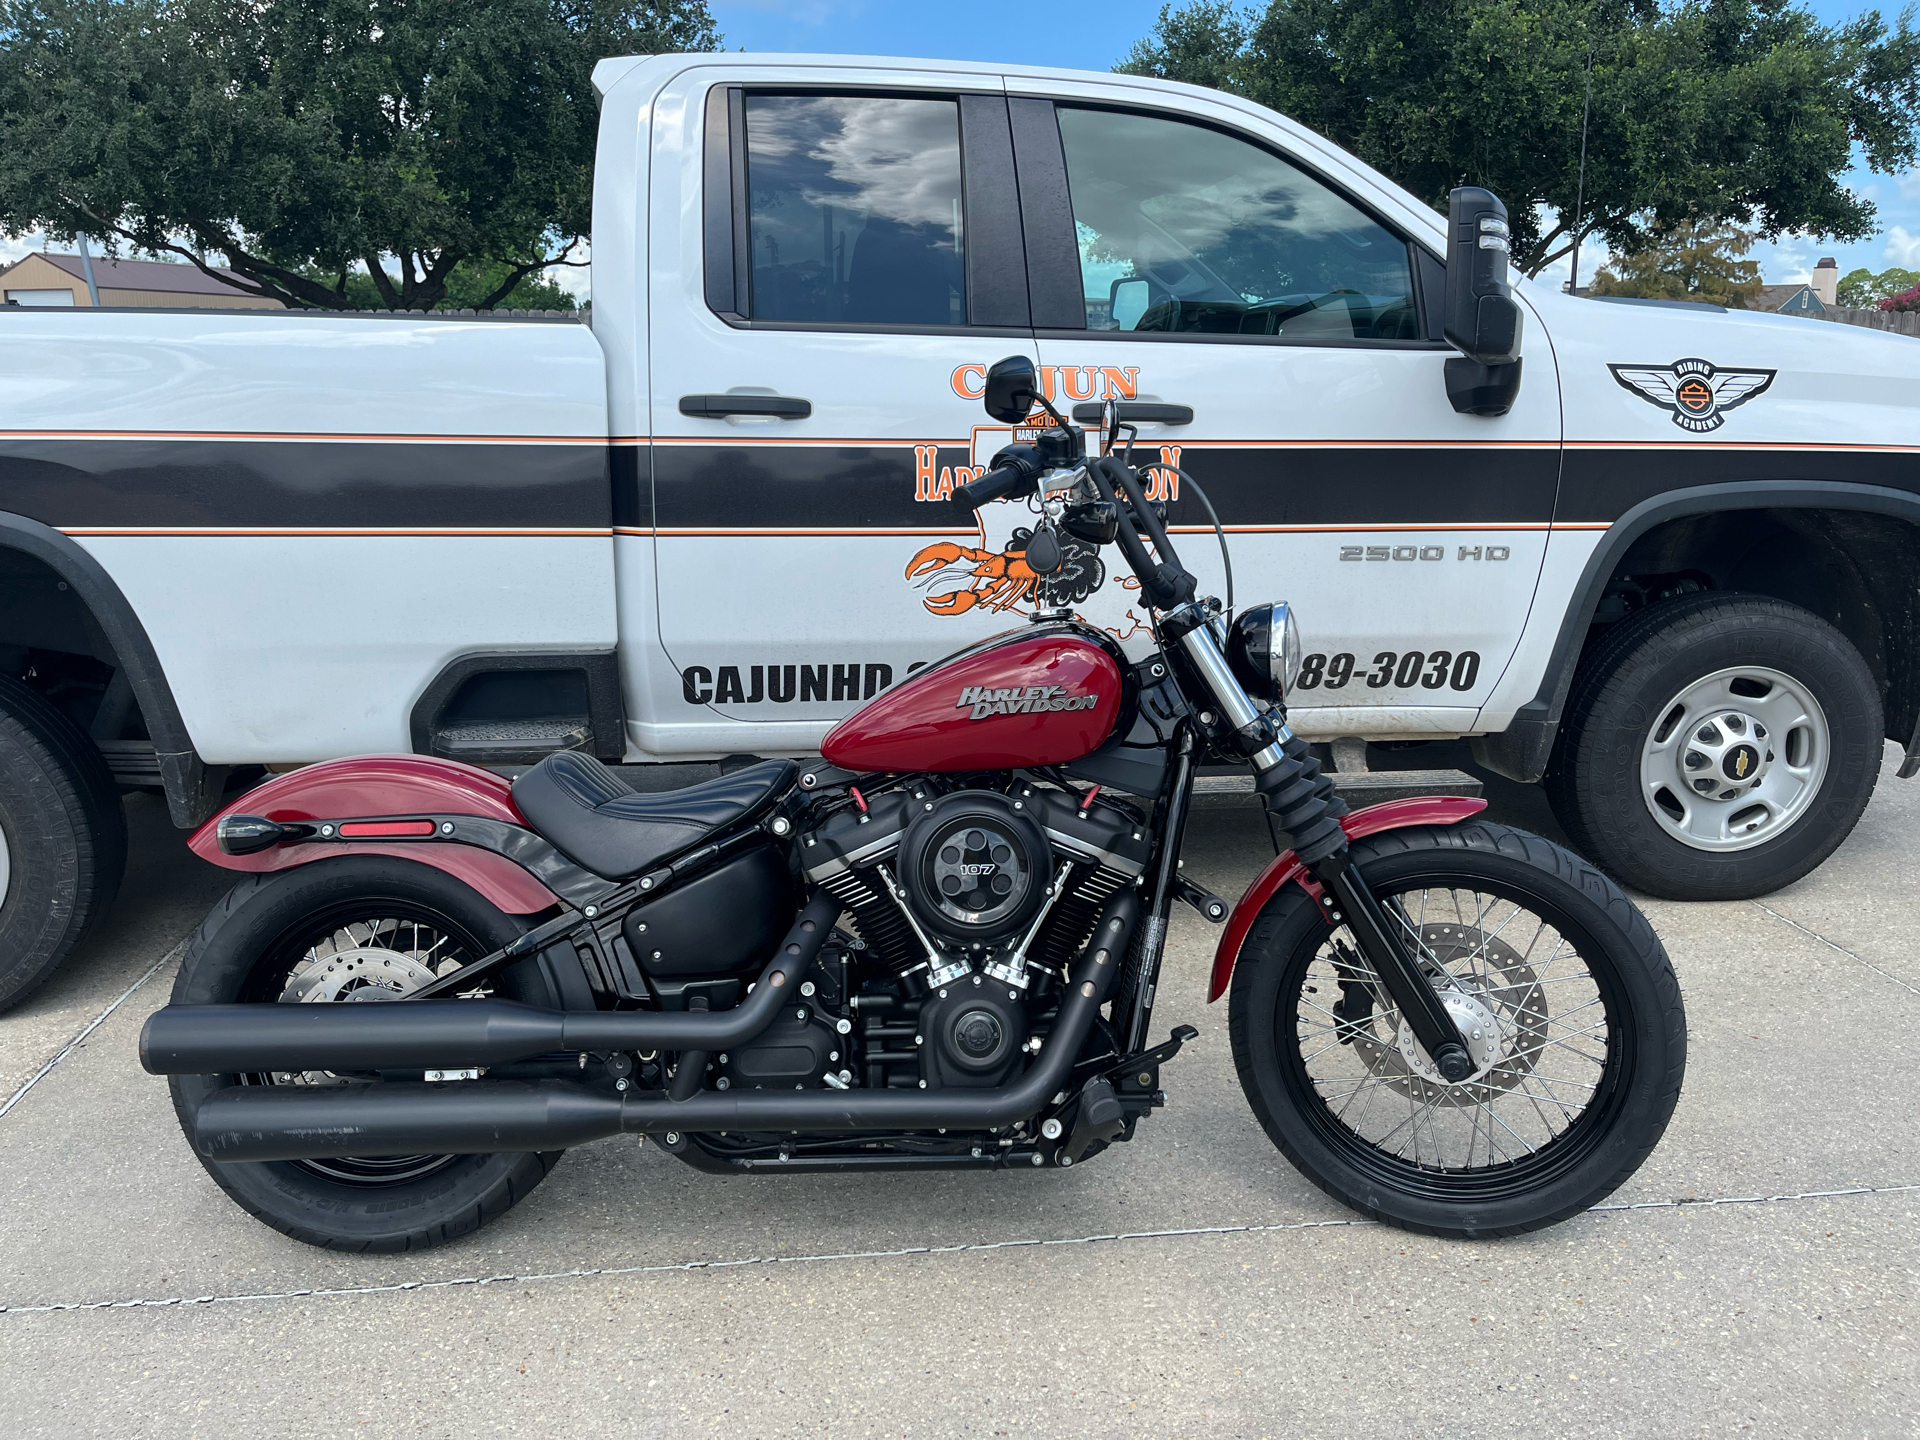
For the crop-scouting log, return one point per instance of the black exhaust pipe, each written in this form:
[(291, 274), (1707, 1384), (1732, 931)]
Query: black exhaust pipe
[(454, 1034), (274, 1122)]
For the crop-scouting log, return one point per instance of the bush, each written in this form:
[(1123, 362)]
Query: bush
[(1906, 300)]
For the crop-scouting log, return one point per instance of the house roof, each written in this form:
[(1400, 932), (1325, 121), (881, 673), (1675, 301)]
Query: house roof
[(158, 275), (1798, 298)]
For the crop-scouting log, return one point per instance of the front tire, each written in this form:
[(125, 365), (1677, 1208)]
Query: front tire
[(1669, 707), (1577, 1028), (276, 938)]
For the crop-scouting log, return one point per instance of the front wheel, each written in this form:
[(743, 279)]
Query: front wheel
[(1569, 1001)]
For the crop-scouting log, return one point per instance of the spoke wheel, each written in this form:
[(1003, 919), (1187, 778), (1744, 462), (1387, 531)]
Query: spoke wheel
[(1566, 1000), (356, 930), (349, 956), (1538, 1027)]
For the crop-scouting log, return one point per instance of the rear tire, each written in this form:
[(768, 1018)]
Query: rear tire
[(63, 839), (1610, 1116), (239, 955)]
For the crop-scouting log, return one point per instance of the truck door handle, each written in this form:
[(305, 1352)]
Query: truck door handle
[(1138, 412), (718, 407)]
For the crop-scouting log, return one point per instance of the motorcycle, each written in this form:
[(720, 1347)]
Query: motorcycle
[(938, 945)]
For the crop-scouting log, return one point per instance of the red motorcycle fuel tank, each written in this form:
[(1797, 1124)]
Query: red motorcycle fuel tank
[(1028, 697)]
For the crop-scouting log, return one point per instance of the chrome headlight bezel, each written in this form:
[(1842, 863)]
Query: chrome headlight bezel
[(1265, 650)]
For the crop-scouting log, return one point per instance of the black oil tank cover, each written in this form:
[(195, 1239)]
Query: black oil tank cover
[(724, 923)]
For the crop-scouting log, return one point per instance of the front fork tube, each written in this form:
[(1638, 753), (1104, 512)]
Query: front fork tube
[(1159, 908), (1301, 800), (1347, 896)]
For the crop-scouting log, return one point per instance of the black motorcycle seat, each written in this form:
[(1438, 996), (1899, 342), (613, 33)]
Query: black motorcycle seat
[(593, 817)]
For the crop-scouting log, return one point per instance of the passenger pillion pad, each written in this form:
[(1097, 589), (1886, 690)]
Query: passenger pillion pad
[(593, 817)]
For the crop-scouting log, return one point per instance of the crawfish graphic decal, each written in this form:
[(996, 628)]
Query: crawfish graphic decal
[(959, 578)]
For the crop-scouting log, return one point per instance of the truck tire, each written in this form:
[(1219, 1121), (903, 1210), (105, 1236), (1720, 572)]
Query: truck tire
[(63, 839), (1716, 747)]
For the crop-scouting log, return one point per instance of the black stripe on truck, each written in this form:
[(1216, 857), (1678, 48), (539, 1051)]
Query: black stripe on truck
[(78, 484), (160, 483)]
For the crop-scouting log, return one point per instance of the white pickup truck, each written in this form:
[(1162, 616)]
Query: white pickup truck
[(1669, 561)]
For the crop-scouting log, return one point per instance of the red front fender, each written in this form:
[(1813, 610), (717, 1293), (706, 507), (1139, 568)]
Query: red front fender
[(388, 785), (1394, 815)]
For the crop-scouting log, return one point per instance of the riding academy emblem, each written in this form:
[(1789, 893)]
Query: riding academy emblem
[(1698, 393)]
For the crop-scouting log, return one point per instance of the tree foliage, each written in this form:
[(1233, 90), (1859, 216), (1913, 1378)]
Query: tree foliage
[(319, 146), (1860, 289), (1687, 261), (1740, 111)]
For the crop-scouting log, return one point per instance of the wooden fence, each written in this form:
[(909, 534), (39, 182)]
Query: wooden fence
[(1902, 323)]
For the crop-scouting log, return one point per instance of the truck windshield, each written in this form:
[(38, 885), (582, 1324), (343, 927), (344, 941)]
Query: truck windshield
[(854, 209), (1184, 228)]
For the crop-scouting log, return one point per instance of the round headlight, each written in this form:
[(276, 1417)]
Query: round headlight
[(1265, 651)]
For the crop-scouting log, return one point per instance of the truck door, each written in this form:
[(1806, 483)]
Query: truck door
[(831, 270), (1283, 336)]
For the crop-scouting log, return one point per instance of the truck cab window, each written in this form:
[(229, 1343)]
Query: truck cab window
[(854, 209), (1183, 228)]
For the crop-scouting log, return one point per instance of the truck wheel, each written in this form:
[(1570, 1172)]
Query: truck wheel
[(63, 838), (1717, 747)]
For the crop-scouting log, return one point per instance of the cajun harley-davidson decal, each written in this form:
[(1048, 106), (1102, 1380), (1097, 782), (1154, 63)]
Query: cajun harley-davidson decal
[(1696, 392), (986, 700)]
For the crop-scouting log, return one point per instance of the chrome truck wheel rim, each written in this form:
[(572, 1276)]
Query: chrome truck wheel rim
[(1735, 759)]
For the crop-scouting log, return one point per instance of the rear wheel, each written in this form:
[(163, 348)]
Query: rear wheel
[(1569, 1003), (355, 930), (63, 839)]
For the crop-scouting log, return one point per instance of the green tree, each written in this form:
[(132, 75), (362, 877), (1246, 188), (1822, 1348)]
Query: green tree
[(1862, 289), (314, 146), (1687, 261), (1741, 111)]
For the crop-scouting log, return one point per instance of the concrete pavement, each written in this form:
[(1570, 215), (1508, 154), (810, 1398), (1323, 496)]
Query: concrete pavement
[(1188, 1284)]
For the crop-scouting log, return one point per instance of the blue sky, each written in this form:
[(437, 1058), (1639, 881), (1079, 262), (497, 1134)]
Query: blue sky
[(1095, 34)]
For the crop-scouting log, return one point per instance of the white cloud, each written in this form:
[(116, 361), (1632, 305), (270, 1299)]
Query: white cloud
[(18, 247), (1903, 247)]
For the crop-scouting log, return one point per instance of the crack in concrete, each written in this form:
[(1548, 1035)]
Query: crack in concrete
[(94, 1024), (1834, 945), (612, 1271)]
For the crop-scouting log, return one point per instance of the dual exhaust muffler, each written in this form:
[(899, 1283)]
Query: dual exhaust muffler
[(296, 1122)]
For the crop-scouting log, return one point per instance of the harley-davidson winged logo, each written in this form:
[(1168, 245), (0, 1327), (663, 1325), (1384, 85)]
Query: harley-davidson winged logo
[(1697, 392)]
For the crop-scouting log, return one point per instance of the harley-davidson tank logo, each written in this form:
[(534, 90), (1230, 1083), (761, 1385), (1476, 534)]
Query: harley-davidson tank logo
[(1696, 392), (985, 701)]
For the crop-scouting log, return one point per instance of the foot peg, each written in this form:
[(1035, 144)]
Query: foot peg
[(1210, 905)]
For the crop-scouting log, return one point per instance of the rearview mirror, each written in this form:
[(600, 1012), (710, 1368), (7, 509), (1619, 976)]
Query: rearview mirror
[(1128, 298), (1482, 318), (1012, 387)]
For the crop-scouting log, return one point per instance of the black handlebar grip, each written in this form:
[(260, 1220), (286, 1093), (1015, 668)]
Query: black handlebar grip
[(1012, 474)]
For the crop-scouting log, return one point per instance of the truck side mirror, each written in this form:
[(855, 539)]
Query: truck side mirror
[(1482, 319), (1012, 387)]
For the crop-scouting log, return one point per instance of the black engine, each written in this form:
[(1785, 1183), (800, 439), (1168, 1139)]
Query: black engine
[(968, 901)]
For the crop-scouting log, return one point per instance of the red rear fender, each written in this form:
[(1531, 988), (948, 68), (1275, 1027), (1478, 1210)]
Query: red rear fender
[(1286, 867), (387, 785)]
